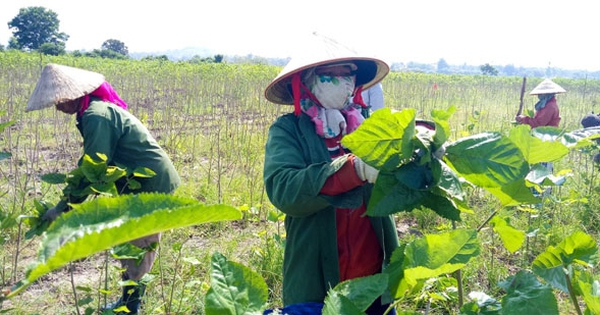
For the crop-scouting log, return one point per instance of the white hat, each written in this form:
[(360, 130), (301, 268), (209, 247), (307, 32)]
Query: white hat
[(60, 83), (547, 87), (323, 51)]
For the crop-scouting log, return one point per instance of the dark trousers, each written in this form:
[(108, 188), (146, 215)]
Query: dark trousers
[(377, 309)]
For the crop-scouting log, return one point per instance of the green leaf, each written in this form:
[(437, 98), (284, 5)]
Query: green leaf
[(579, 138), (512, 239), (37, 226), (441, 204), (442, 127), (54, 178), (134, 184), (390, 196), (143, 172), (541, 175), (412, 276), (362, 291), (234, 289), (5, 155), (105, 222), (384, 140), (435, 255), (448, 180), (414, 176), (395, 271), (526, 295), (127, 251), (101, 188), (6, 124), (514, 194), (434, 250), (93, 170), (534, 149), (579, 248), (113, 174), (590, 290), (487, 160), (336, 304), (482, 304)]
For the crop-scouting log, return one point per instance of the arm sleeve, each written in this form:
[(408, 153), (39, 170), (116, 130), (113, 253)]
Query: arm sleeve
[(376, 97), (293, 183), (541, 118), (344, 180)]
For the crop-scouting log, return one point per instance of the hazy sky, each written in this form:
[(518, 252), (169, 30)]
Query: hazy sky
[(530, 33)]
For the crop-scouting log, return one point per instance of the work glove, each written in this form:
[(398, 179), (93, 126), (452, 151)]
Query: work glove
[(364, 171), (51, 214)]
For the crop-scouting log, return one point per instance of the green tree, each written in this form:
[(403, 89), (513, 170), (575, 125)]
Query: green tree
[(160, 58), (442, 66), (487, 69), (35, 26), (116, 46), (53, 49), (105, 53)]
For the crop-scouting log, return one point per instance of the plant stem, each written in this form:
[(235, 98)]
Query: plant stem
[(572, 294), (458, 276), (73, 287), (17, 251), (482, 225)]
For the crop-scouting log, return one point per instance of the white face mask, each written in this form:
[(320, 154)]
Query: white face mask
[(333, 92)]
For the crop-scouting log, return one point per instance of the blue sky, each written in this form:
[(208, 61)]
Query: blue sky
[(530, 33)]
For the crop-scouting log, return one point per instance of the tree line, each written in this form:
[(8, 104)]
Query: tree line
[(36, 29)]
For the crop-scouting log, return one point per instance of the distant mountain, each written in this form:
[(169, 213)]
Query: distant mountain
[(503, 70)]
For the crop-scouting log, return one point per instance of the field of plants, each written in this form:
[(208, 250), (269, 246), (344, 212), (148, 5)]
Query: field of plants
[(213, 121)]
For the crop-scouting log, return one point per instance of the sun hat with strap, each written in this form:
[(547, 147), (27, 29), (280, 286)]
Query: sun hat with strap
[(323, 50)]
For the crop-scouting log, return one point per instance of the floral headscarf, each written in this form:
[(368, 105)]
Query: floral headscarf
[(329, 123)]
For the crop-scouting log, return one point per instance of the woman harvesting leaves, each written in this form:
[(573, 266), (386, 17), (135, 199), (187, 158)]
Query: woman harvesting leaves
[(109, 129)]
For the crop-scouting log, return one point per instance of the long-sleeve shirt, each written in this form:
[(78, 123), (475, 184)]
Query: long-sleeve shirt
[(547, 116), (373, 97), (127, 143)]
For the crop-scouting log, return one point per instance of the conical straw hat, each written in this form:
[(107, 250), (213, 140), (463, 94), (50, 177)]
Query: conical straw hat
[(321, 51), (547, 87), (60, 83)]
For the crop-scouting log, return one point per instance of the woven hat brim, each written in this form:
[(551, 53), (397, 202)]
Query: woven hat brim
[(325, 51), (547, 87), (59, 83)]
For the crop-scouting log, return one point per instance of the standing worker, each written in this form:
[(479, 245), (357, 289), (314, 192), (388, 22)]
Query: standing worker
[(373, 97), (108, 128), (321, 187), (546, 109), (546, 114)]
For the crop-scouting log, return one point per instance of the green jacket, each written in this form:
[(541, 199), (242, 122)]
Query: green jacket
[(297, 165), (113, 131)]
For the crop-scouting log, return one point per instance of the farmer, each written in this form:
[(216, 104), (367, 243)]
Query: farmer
[(546, 109), (546, 114), (107, 128), (373, 97), (321, 187)]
